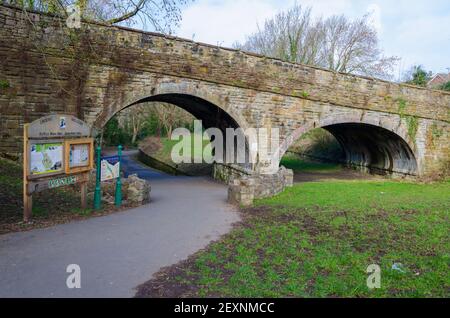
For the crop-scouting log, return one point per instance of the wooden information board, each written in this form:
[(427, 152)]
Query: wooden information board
[(58, 151)]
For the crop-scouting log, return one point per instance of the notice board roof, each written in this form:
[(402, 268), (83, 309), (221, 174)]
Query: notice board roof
[(58, 126)]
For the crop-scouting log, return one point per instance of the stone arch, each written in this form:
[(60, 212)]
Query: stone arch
[(163, 90), (214, 110), (374, 143)]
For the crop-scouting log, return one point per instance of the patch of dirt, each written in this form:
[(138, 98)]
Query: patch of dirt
[(257, 211), (179, 280), (165, 285), (344, 174), (312, 227)]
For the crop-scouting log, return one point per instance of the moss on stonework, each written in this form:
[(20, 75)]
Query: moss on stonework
[(413, 126), (302, 94), (388, 98), (412, 122), (4, 84), (238, 83), (305, 94), (276, 90), (436, 132), (401, 105), (43, 24)]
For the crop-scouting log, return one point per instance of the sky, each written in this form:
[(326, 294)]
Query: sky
[(417, 31)]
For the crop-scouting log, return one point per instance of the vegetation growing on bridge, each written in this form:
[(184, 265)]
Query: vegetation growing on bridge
[(412, 122), (4, 84), (436, 131)]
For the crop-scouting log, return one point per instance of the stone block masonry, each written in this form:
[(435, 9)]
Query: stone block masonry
[(245, 189), (96, 71)]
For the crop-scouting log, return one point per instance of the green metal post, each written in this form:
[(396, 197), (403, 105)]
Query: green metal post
[(98, 191), (118, 197)]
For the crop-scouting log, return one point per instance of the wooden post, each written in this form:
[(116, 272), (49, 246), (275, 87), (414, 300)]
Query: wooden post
[(84, 188), (27, 199)]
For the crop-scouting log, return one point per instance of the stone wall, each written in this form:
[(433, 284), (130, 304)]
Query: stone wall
[(97, 71), (135, 191), (244, 186), (244, 190), (228, 173)]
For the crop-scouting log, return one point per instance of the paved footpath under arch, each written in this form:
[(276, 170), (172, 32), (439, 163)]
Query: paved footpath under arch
[(118, 252)]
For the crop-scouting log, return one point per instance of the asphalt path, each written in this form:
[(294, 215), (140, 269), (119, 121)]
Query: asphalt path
[(118, 252)]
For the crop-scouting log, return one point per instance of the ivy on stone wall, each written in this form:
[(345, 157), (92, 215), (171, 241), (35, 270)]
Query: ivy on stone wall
[(81, 49), (436, 131), (412, 122), (401, 106)]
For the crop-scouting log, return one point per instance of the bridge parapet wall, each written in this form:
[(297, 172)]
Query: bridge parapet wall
[(150, 52)]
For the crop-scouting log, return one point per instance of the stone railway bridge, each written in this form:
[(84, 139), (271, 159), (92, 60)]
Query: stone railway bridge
[(96, 71)]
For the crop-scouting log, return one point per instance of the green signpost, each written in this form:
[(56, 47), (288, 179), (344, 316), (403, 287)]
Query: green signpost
[(108, 173), (118, 196), (98, 191)]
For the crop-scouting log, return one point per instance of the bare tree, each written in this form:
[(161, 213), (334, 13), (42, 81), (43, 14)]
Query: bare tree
[(336, 43), (162, 15), (135, 118), (171, 116)]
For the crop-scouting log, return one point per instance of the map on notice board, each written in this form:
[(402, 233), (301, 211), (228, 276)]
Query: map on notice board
[(79, 155), (46, 158)]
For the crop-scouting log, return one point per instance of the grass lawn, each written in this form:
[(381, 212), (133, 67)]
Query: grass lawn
[(293, 162), (317, 240), (161, 150), (165, 153)]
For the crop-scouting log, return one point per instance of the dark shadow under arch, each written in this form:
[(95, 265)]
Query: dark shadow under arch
[(375, 149), (211, 115)]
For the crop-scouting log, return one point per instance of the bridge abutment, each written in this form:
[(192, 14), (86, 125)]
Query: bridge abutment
[(244, 186)]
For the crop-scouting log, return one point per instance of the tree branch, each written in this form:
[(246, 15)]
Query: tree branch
[(128, 15)]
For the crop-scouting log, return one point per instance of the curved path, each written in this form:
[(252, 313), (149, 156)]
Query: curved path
[(118, 252)]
